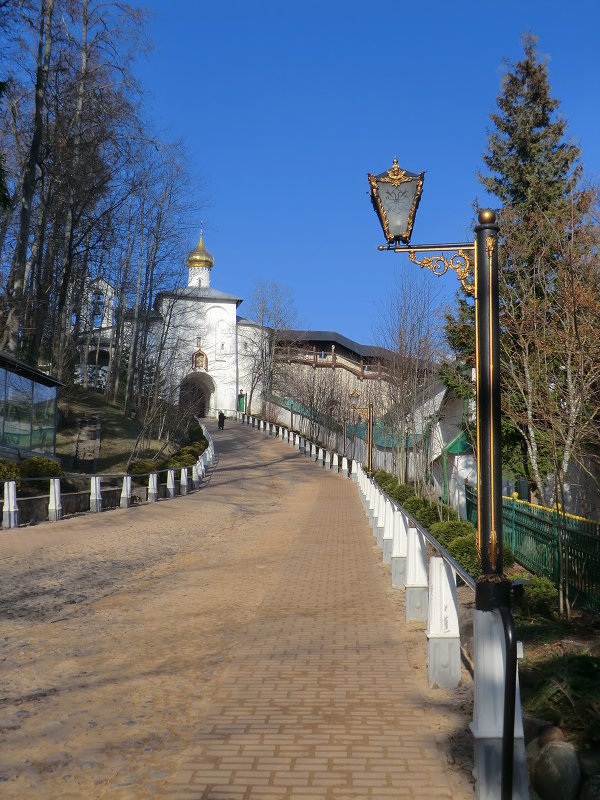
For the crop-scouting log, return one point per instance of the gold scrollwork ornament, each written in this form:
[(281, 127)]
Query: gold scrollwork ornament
[(440, 265)]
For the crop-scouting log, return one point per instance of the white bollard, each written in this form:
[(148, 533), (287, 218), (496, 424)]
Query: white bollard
[(344, 467), (281, 433), (320, 456), (380, 518), (95, 495), (378, 513), (489, 659), (327, 463), (126, 492), (443, 635), (195, 477), (183, 481), (388, 533), (416, 595), (313, 452), (399, 550), (335, 463), (171, 483), (355, 470), (54, 503), (201, 470), (152, 487), (10, 513), (372, 499)]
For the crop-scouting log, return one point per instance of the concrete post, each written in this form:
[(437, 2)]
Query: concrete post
[(489, 659), (152, 487), (354, 470), (372, 499), (126, 492), (443, 636), (54, 502), (388, 533), (201, 470), (416, 594), (10, 513), (344, 467), (378, 510), (170, 483), (183, 481), (95, 495), (335, 464), (327, 462), (313, 452), (399, 551), (195, 477), (380, 519)]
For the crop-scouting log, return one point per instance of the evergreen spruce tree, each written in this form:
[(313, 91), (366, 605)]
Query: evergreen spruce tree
[(545, 266)]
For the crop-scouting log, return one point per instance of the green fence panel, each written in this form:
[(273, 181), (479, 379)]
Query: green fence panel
[(542, 539)]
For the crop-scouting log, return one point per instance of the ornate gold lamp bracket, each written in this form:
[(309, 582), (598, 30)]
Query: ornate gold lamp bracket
[(439, 265)]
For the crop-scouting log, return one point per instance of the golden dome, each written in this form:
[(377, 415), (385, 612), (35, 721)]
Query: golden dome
[(199, 256)]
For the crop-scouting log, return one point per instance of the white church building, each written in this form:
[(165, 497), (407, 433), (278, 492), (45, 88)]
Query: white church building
[(204, 346)]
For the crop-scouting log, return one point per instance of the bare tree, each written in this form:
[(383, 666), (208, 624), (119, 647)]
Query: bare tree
[(411, 330), (273, 311)]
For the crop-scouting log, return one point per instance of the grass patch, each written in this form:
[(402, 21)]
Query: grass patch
[(118, 433)]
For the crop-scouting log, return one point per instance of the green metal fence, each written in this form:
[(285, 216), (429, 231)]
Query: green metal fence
[(542, 540)]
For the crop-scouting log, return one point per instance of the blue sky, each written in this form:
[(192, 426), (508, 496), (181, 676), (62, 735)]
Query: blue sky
[(284, 108)]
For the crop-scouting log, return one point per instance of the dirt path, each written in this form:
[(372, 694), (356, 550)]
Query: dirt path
[(116, 631)]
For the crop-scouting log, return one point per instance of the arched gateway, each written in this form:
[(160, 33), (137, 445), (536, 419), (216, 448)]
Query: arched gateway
[(195, 393)]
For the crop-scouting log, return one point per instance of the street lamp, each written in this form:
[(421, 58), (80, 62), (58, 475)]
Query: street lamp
[(493, 589), (354, 397)]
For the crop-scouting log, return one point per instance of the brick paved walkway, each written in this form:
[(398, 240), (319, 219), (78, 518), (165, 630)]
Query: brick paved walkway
[(320, 700)]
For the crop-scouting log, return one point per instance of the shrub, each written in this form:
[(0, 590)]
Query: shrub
[(540, 598), (9, 471), (445, 532), (39, 467), (180, 459), (428, 514), (464, 550), (143, 466), (195, 450), (413, 504), (32, 471), (403, 492)]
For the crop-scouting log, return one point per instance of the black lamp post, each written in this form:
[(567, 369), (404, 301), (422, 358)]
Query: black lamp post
[(368, 410), (395, 195)]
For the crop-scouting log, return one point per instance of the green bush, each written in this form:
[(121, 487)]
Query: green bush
[(144, 466), (464, 550), (413, 504), (428, 514), (9, 471), (39, 467), (449, 513), (403, 492), (446, 531), (31, 472), (194, 450), (540, 598)]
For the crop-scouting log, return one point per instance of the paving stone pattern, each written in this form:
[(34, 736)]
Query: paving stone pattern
[(241, 642)]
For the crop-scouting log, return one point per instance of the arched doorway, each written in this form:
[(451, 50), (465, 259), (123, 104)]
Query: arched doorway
[(195, 393)]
